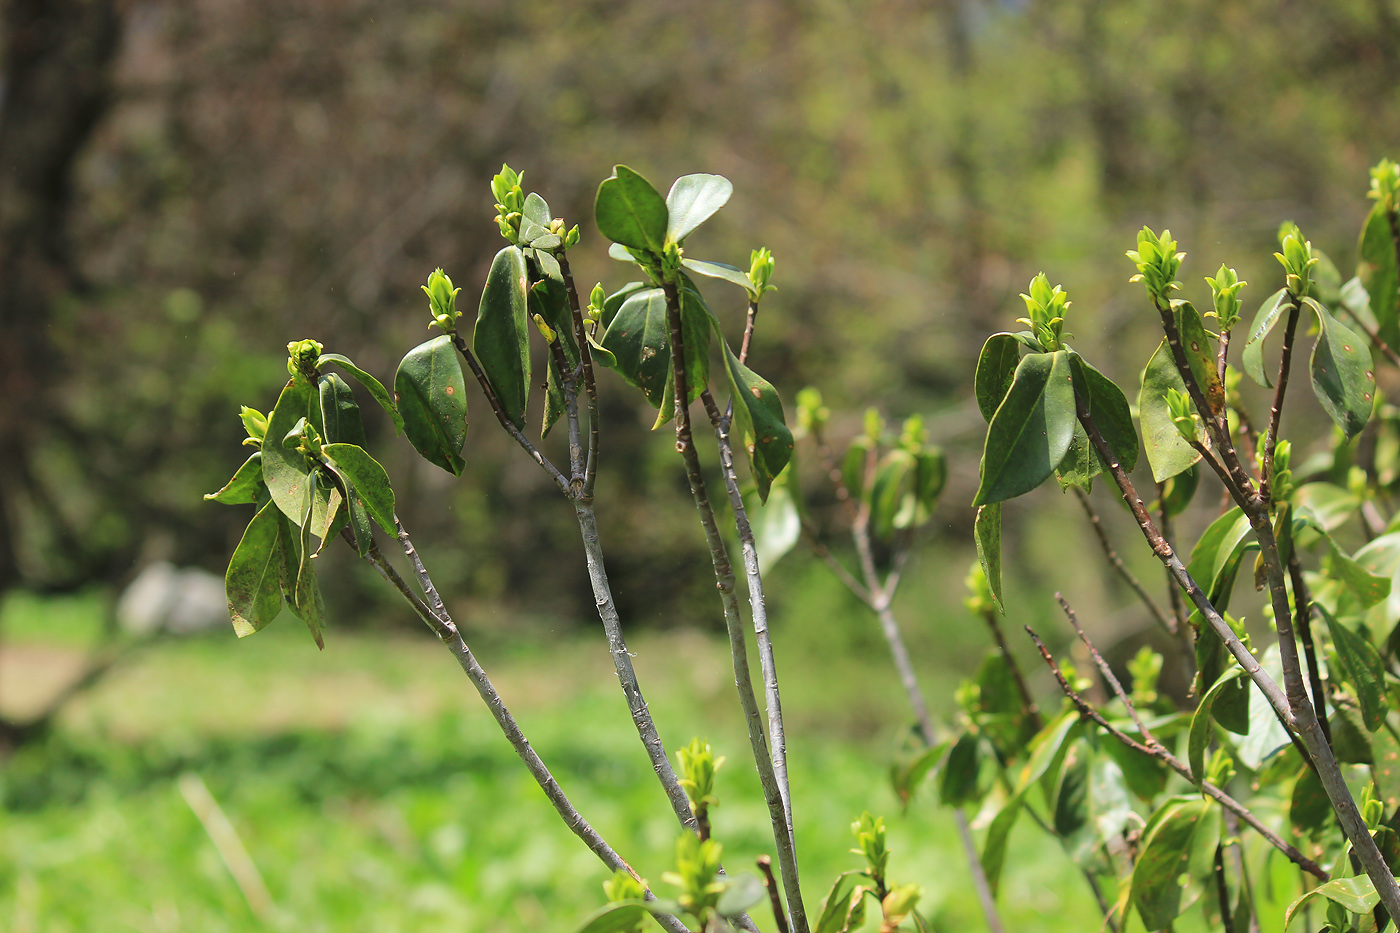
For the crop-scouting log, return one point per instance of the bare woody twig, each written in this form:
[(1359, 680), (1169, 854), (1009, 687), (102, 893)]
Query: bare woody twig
[(1156, 750), (442, 625), (1266, 471), (1163, 620), (775, 899), (590, 386), (724, 581)]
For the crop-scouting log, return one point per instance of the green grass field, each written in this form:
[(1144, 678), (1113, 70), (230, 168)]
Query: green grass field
[(373, 792)]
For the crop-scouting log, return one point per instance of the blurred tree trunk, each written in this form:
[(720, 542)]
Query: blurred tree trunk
[(58, 58)]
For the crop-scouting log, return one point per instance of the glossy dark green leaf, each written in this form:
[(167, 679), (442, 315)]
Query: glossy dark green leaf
[(718, 270), (301, 590), (550, 300), (996, 367), (1201, 730), (1167, 452), (958, 774), (252, 583), (340, 413), (1378, 273), (1091, 803), (1342, 376), (1269, 314), (1217, 553), (1145, 777), (501, 338), (742, 891), (370, 482), (1071, 798), (987, 531), (372, 385), (1030, 432), (639, 339), (1362, 668), (1356, 895), (629, 211), (1108, 406), (1200, 353), (692, 200), (1309, 810), (285, 469), (1179, 490), (1081, 463), (759, 424), (1230, 705), (1167, 854), (243, 487), (432, 397)]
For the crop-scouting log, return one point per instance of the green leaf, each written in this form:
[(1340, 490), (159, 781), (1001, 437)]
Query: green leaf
[(285, 469), (550, 300), (372, 385), (621, 253), (639, 338), (1385, 767), (1168, 876), (987, 531), (1213, 661), (1201, 721), (742, 891), (1081, 463), (1362, 667), (501, 338), (692, 200), (1145, 777), (301, 590), (1266, 734), (1326, 505), (368, 479), (1179, 490), (718, 270), (618, 917), (1368, 588), (536, 211), (907, 774), (1108, 406), (1200, 354), (836, 904), (252, 582), (629, 211), (1092, 805), (243, 487), (340, 413), (1031, 430), (776, 524), (758, 421), (1378, 273), (996, 367), (1215, 558), (613, 302), (1167, 453), (1342, 376), (433, 400), (998, 835), (959, 772), (1355, 895), (1327, 280), (888, 491), (1265, 319), (1309, 810)]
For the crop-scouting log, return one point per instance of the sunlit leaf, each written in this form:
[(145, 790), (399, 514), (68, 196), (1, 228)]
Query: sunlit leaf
[(1031, 430), (432, 397), (629, 211), (501, 338)]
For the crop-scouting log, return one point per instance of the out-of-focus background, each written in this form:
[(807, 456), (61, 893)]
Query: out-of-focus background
[(186, 186)]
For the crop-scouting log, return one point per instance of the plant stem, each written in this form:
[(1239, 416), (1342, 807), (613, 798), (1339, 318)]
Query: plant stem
[(1028, 705), (1302, 606), (758, 607), (442, 625), (590, 386), (1173, 591), (569, 387), (724, 580), (748, 330), (1266, 471), (775, 900), (1158, 751), (1117, 562), (1294, 708), (1375, 336)]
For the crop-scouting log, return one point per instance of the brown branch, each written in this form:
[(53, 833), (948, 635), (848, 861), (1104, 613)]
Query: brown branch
[(1266, 470), (590, 386), (1028, 705), (748, 330), (1375, 337), (1117, 562), (775, 899), (1158, 751), (1302, 607)]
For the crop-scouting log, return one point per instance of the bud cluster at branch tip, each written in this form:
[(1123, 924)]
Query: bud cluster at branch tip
[(1046, 307), (1157, 263), (442, 301)]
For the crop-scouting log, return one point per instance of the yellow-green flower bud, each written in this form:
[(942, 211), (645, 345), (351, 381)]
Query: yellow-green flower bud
[(900, 903), (254, 422), (545, 330), (1385, 185), (302, 356), (442, 300)]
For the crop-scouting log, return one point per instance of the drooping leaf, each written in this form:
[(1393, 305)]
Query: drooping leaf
[(252, 583), (1368, 588), (432, 397), (776, 524), (907, 774), (1342, 376), (1108, 407), (370, 482), (1091, 803), (1200, 354), (300, 590), (1362, 668), (1145, 777), (285, 469), (550, 300), (1167, 452), (501, 338), (718, 270), (1030, 432), (1356, 895), (987, 531), (1081, 462), (1265, 319), (639, 339), (1169, 874), (1378, 273), (998, 835), (758, 423), (372, 385), (959, 772), (242, 488), (692, 200), (996, 366), (1201, 730), (340, 413), (1216, 555), (629, 211)]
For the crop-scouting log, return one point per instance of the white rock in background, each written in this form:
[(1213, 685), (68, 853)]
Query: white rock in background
[(166, 597)]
